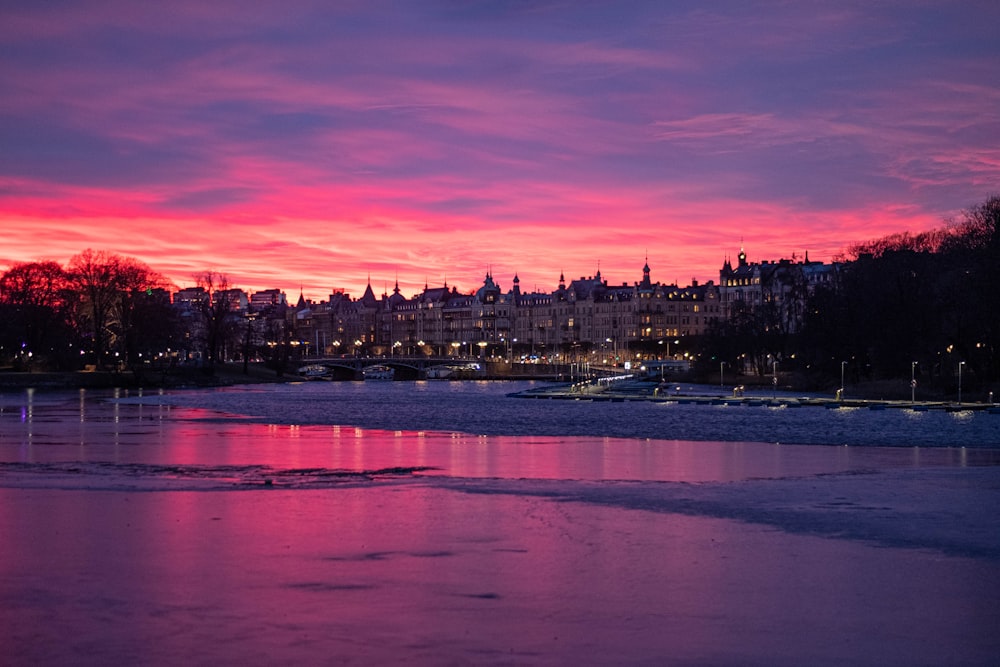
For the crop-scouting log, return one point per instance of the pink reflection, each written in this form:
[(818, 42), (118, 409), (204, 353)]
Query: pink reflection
[(125, 433), (515, 549), (384, 573)]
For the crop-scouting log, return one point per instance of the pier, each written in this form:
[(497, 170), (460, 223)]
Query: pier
[(626, 390)]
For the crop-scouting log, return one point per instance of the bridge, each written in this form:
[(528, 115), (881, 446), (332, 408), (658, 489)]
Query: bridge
[(429, 367), (404, 367)]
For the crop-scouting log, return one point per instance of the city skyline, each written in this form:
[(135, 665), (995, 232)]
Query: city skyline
[(300, 145)]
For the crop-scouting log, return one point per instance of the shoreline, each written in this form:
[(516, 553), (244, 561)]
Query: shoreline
[(221, 376), (644, 392), (555, 387)]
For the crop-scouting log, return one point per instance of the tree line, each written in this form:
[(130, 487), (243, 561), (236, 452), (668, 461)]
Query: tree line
[(902, 304), (102, 310)]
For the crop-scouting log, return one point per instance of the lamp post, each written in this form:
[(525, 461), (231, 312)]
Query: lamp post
[(774, 379), (960, 364), (913, 382), (721, 377), (842, 364)]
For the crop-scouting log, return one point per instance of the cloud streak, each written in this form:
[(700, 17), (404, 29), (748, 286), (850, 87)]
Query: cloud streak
[(300, 143)]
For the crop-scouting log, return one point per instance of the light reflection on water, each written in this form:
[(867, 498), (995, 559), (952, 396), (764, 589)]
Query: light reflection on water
[(140, 530), (297, 426), (428, 576), (484, 408)]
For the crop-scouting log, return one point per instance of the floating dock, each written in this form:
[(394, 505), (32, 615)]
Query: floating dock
[(595, 394)]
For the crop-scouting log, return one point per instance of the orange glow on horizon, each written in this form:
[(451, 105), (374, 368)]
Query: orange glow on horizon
[(277, 150), (286, 254)]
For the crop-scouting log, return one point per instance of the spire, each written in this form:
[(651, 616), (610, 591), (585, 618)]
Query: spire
[(646, 282), (368, 298)]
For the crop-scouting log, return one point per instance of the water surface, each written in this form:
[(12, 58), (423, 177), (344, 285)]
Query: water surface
[(307, 524)]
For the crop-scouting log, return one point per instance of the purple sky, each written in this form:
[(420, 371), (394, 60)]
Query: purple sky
[(292, 143)]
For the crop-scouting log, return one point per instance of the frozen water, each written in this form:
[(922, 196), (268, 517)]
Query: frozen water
[(482, 408), (260, 525)]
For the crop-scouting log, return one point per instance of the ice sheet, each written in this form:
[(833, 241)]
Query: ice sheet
[(443, 571), (159, 534)]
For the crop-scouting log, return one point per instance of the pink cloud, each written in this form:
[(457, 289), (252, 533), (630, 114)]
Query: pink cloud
[(286, 151)]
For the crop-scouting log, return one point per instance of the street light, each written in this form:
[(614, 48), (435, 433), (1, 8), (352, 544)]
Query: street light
[(913, 382), (842, 364), (774, 379), (721, 377), (960, 364)]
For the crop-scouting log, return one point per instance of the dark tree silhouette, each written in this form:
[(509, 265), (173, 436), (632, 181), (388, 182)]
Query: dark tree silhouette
[(94, 277), (33, 314), (220, 323), (108, 287)]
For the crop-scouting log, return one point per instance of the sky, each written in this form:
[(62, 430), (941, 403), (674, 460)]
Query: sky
[(318, 145)]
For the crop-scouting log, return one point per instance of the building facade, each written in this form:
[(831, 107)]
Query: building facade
[(585, 316), (781, 287)]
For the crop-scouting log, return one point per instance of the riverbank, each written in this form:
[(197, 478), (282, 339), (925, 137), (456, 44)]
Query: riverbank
[(684, 393), (222, 375), (366, 541)]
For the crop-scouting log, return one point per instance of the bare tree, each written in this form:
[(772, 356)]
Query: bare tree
[(136, 282), (33, 310), (33, 284), (109, 287), (94, 275), (220, 321)]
